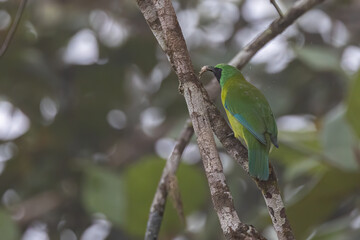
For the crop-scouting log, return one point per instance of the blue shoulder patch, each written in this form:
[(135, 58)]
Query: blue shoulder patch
[(243, 122)]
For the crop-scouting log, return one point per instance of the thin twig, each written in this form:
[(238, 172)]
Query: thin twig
[(273, 2), (164, 20), (158, 205), (13, 28), (37, 206), (275, 28), (233, 146)]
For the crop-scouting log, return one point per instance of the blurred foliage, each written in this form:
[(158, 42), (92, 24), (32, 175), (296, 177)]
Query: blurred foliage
[(89, 107), (319, 58), (354, 105), (145, 175), (325, 195), (8, 228), (99, 184)]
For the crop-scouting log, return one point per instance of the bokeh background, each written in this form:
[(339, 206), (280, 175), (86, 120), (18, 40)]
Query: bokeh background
[(89, 110)]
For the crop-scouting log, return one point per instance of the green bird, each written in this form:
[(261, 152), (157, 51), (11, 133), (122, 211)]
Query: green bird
[(250, 116)]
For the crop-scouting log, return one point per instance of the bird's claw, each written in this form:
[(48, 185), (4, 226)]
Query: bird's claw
[(230, 135)]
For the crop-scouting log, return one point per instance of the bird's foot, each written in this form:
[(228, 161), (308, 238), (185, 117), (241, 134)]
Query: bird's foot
[(230, 135), (181, 88)]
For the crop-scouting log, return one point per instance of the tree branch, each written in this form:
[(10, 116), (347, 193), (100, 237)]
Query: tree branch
[(158, 205), (13, 28), (269, 189), (176, 51), (273, 2), (37, 206), (275, 28)]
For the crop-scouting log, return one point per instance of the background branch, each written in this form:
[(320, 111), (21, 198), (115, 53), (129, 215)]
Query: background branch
[(37, 206), (158, 205), (13, 27), (273, 2), (275, 28)]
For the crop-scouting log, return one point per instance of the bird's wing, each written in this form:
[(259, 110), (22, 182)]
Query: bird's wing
[(247, 104)]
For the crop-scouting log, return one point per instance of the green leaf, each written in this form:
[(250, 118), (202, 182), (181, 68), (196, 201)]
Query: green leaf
[(103, 192), (300, 152), (339, 140), (352, 113), (322, 201), (319, 58), (8, 228)]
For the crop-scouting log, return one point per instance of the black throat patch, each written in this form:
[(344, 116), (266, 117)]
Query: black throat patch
[(217, 73)]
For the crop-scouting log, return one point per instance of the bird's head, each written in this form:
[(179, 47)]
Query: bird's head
[(221, 70), (215, 70)]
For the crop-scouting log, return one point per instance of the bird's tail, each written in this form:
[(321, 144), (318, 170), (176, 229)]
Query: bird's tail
[(258, 155)]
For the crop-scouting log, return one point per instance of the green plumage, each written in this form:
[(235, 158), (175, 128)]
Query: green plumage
[(250, 117)]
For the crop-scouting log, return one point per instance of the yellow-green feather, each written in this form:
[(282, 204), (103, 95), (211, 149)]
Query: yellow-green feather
[(257, 152), (244, 103)]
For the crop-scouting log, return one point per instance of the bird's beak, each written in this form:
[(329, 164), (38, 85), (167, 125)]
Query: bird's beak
[(205, 69)]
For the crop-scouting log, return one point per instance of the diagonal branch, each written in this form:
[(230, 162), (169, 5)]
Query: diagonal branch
[(13, 28), (158, 205), (275, 28), (195, 95), (269, 189), (276, 5)]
